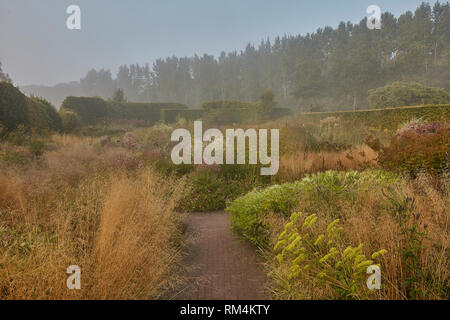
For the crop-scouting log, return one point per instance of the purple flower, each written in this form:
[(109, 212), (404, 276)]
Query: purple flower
[(129, 140)]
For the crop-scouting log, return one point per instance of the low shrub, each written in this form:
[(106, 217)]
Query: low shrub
[(70, 121), (419, 147), (37, 147), (209, 191)]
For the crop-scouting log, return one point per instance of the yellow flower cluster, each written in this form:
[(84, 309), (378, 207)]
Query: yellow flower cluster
[(323, 257)]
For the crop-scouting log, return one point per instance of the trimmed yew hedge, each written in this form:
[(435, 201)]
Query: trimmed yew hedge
[(389, 118), (172, 115), (42, 115), (90, 110), (13, 106), (141, 111)]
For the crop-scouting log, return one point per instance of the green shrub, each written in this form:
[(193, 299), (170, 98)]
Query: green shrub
[(389, 119), (316, 193), (37, 147), (13, 106), (402, 93), (150, 112), (208, 191), (42, 115), (70, 121), (280, 112), (19, 136), (172, 115), (90, 110)]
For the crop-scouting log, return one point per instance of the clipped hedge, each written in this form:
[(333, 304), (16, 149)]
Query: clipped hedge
[(90, 110), (42, 115), (172, 115), (13, 106), (403, 93), (389, 118), (141, 111), (226, 104), (280, 112)]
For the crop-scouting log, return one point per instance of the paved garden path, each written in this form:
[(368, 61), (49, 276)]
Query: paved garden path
[(219, 266)]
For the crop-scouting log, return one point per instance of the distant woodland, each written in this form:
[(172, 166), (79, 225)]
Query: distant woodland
[(330, 69)]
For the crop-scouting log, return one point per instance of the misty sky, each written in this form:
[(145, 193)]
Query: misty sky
[(37, 48)]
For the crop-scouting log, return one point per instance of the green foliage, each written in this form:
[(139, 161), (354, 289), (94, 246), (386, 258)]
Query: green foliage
[(150, 112), (119, 96), (317, 192), (70, 121), (19, 136), (42, 116), (319, 258), (399, 94), (90, 110), (37, 147), (13, 106), (280, 112), (404, 213), (210, 190), (172, 115), (389, 119), (266, 104), (225, 104), (225, 112)]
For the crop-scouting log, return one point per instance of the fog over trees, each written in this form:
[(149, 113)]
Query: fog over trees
[(325, 70)]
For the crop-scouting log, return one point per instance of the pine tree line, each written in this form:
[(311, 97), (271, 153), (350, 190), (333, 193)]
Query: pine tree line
[(325, 70)]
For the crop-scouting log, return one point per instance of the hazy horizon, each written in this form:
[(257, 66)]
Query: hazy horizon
[(38, 49)]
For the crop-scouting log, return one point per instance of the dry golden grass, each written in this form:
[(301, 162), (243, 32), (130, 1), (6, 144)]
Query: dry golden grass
[(79, 209), (296, 166)]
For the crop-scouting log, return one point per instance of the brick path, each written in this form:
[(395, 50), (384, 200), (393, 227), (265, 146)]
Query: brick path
[(221, 267)]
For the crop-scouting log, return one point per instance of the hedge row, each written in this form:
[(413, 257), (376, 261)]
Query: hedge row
[(172, 115), (13, 106), (141, 111), (34, 113), (90, 110), (93, 110), (389, 118), (403, 93)]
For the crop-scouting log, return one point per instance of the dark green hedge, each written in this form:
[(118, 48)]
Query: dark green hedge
[(401, 93), (172, 115), (90, 110), (227, 104), (140, 111), (280, 112), (13, 106), (385, 118), (42, 115)]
